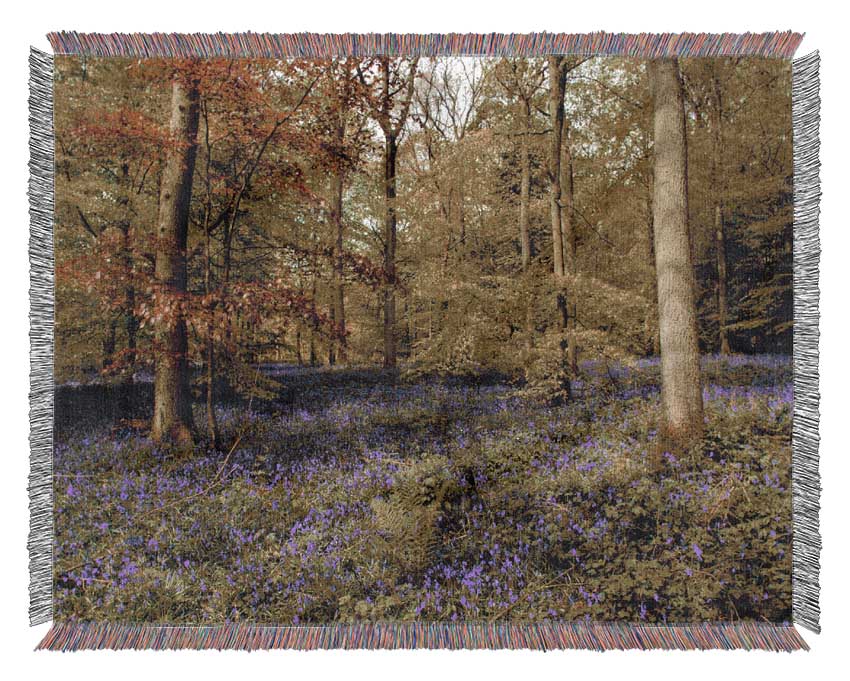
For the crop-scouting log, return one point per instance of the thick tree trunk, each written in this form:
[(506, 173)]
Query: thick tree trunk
[(172, 417), (390, 237), (680, 372)]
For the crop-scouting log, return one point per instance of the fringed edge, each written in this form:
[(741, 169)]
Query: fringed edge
[(40, 193), (805, 475), (544, 636), (318, 45)]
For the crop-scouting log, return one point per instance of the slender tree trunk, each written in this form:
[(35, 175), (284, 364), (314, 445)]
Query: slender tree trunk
[(332, 342), (131, 326), (569, 242), (172, 417), (392, 128), (524, 204), (298, 356), (653, 342), (390, 237), (722, 301), (212, 421), (525, 193), (108, 346), (719, 228), (557, 83), (680, 371), (339, 287), (312, 339)]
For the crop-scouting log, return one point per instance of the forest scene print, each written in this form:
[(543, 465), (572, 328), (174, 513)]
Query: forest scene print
[(423, 339)]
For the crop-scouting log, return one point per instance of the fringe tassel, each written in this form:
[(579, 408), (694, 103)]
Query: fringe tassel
[(805, 476), (582, 636), (40, 542), (276, 45)]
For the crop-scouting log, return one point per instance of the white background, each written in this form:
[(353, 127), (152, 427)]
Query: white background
[(28, 22)]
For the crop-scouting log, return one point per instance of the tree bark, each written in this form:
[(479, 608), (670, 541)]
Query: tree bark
[(557, 83), (524, 204), (131, 325), (681, 390), (212, 421), (525, 187), (108, 345), (719, 228), (390, 241), (172, 417), (339, 287), (569, 243)]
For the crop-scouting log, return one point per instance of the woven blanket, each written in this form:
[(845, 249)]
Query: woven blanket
[(443, 341)]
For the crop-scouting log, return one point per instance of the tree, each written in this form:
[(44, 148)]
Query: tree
[(681, 389), (561, 210), (522, 79), (390, 107), (340, 125), (172, 413), (324, 224), (719, 188)]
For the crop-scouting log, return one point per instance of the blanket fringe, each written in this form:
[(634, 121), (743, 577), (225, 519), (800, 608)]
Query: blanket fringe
[(543, 636), (40, 542), (805, 479), (603, 636), (275, 45)]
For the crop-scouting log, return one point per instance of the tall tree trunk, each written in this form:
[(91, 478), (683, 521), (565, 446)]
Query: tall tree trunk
[(212, 421), (557, 83), (681, 390), (722, 299), (172, 417), (338, 306), (390, 237), (569, 243), (719, 189), (525, 192), (393, 128), (524, 204)]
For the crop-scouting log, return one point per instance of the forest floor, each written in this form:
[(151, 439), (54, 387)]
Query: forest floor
[(356, 496)]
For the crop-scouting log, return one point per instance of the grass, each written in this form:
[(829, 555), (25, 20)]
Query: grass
[(355, 496)]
